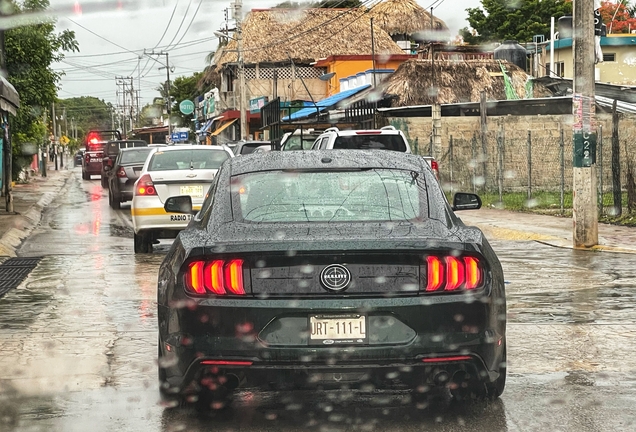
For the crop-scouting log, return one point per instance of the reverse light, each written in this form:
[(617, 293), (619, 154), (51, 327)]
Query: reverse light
[(145, 186), (218, 277), (451, 274)]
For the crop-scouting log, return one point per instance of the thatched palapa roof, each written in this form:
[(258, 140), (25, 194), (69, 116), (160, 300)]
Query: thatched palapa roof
[(456, 82), (307, 35), (404, 17)]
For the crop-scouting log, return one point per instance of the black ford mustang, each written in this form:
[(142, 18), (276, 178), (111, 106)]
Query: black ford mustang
[(329, 268)]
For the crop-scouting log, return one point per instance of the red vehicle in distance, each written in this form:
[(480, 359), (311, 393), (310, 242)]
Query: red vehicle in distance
[(95, 143)]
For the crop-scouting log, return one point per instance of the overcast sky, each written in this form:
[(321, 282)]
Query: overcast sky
[(112, 39)]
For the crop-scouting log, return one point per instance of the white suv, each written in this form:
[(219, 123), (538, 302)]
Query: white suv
[(387, 138)]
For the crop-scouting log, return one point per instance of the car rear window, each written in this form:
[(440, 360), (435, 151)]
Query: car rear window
[(327, 196), (370, 142), (135, 156), (205, 158), (249, 148)]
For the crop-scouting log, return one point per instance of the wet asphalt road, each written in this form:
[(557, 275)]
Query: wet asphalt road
[(78, 343)]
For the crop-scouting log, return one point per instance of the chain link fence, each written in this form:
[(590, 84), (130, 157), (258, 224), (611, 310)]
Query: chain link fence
[(518, 166)]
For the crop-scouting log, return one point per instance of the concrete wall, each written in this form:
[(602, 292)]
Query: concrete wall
[(472, 168)]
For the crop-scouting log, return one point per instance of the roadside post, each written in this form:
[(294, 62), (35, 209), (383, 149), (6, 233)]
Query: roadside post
[(585, 198)]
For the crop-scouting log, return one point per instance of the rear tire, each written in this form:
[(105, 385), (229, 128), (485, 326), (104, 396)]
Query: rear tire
[(104, 182), (85, 176), (113, 200), (143, 243)]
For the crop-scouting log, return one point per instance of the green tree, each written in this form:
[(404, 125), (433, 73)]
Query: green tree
[(30, 52), (87, 112), (520, 20), (182, 88)]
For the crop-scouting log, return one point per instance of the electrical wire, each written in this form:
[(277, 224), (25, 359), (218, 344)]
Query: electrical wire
[(168, 25), (101, 37), (180, 25), (190, 24)]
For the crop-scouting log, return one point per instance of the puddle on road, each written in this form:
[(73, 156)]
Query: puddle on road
[(547, 284)]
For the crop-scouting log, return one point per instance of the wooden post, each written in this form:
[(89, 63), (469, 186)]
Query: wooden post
[(616, 164)]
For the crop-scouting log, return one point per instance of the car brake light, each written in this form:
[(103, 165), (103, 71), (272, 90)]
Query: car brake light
[(451, 273), (145, 187), (121, 173), (435, 168), (219, 277)]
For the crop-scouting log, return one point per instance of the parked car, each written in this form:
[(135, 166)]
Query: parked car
[(110, 153), (124, 173), (340, 268), (169, 171), (78, 157), (387, 138), (95, 143), (263, 149), (242, 148), (297, 140)]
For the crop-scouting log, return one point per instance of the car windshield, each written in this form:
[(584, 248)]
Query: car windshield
[(204, 158), (135, 155), (370, 142), (329, 196)]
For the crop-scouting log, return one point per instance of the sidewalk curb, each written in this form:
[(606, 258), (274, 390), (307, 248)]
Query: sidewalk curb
[(26, 222)]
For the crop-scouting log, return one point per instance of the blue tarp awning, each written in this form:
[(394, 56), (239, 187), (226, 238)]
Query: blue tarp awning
[(325, 104), (205, 127)]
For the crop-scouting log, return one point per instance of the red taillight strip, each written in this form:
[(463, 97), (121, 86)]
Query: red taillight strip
[(227, 362), (234, 276), (195, 277), (454, 273), (446, 359), (217, 277), (473, 273), (450, 273), (435, 273)]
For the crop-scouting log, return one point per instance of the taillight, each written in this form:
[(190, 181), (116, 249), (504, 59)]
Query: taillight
[(121, 173), (451, 274), (219, 277), (145, 187), (435, 168)]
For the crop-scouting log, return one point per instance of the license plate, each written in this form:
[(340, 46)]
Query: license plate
[(96, 160), (338, 329), (193, 191)]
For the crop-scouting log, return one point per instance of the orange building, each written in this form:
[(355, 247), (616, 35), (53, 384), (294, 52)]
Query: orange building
[(345, 66)]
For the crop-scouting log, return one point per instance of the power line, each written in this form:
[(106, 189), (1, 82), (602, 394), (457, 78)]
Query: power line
[(167, 26), (180, 25), (191, 21), (101, 37)]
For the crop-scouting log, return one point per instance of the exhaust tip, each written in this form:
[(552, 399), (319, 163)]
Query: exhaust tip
[(441, 378)]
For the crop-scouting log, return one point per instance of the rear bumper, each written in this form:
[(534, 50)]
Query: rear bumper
[(412, 341)]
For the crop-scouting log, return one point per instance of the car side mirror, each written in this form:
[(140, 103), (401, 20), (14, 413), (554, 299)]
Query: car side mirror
[(466, 201), (179, 204)]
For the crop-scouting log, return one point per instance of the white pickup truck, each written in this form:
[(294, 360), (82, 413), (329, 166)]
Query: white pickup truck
[(386, 138)]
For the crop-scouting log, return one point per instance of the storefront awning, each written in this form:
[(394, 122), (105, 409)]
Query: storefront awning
[(9, 98), (206, 127), (325, 104), (223, 127)]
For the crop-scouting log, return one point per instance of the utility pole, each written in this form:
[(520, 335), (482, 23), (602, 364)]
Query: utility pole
[(54, 136), (168, 99), (238, 17), (436, 109), (584, 211)]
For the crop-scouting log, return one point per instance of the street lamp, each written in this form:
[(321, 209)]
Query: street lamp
[(241, 71)]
